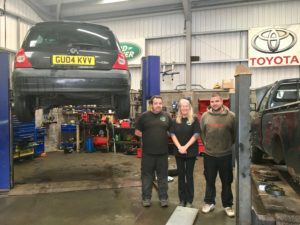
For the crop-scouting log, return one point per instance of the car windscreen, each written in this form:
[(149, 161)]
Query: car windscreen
[(66, 35)]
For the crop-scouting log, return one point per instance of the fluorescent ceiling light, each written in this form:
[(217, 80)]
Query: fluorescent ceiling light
[(110, 1)]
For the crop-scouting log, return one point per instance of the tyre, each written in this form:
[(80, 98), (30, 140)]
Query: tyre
[(24, 109), (123, 107), (256, 155)]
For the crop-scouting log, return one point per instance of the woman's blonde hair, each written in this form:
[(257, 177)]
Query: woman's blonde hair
[(190, 115)]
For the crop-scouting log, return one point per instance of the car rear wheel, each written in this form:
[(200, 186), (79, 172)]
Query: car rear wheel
[(123, 107), (256, 155), (24, 108)]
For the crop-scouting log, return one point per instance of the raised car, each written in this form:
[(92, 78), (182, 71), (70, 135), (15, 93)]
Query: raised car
[(70, 63)]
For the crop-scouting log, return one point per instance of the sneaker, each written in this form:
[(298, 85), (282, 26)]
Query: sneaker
[(164, 203), (229, 211), (189, 205), (146, 202), (181, 204), (208, 208)]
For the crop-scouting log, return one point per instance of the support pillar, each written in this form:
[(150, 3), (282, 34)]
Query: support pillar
[(242, 143)]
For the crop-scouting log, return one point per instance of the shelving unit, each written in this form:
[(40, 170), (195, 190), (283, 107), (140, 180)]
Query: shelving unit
[(68, 137), (124, 139), (96, 133)]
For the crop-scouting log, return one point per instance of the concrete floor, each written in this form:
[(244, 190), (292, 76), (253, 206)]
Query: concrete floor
[(93, 188)]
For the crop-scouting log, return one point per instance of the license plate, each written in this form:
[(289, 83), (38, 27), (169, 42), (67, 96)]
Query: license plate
[(73, 60)]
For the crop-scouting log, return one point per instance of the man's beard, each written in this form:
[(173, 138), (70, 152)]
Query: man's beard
[(217, 110), (155, 111)]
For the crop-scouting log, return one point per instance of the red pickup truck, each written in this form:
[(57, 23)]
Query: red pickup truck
[(275, 124)]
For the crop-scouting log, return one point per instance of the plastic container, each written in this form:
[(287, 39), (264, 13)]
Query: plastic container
[(139, 152), (89, 145), (125, 124)]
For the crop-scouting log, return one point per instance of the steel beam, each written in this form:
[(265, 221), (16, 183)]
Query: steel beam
[(188, 24)]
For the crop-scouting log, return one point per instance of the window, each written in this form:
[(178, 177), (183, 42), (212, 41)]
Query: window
[(264, 101), (86, 37), (286, 93)]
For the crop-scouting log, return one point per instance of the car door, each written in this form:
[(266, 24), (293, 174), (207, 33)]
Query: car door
[(257, 123), (280, 122)]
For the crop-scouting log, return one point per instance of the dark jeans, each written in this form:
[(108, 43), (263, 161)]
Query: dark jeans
[(150, 165), (223, 165), (185, 169)]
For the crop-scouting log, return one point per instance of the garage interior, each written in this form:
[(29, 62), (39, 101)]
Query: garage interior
[(81, 164)]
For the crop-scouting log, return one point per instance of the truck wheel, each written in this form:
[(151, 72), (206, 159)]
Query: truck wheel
[(256, 155), (123, 107), (23, 109)]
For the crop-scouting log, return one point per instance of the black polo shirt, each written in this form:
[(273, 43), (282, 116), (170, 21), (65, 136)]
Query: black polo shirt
[(154, 129)]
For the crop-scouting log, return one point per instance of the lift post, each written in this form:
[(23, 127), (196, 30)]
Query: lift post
[(5, 156), (150, 78)]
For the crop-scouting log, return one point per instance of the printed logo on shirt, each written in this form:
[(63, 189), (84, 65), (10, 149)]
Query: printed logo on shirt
[(188, 123), (163, 118)]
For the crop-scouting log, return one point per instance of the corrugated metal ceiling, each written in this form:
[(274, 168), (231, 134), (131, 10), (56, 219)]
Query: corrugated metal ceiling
[(89, 10)]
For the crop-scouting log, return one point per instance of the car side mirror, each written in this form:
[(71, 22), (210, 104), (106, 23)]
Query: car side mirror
[(252, 106)]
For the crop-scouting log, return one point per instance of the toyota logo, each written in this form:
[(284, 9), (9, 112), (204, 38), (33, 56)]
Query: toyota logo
[(274, 40)]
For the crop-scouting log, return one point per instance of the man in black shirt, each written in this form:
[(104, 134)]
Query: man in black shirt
[(153, 127)]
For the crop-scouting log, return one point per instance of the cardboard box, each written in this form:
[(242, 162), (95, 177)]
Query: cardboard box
[(228, 84)]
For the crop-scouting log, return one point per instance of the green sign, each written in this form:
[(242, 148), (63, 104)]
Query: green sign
[(130, 50)]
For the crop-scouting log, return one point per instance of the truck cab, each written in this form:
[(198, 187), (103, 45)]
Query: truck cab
[(275, 123)]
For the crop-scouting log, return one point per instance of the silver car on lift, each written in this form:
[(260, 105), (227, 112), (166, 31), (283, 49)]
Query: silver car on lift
[(70, 63)]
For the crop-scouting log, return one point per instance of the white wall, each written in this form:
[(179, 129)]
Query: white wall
[(211, 40), (157, 25), (15, 24), (230, 46)]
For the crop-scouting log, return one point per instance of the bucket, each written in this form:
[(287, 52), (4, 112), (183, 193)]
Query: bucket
[(89, 145), (139, 152)]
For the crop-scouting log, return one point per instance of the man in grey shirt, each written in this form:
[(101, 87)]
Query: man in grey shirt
[(218, 135)]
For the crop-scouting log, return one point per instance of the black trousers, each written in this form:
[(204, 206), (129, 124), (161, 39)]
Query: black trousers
[(150, 165), (223, 165), (185, 169)]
